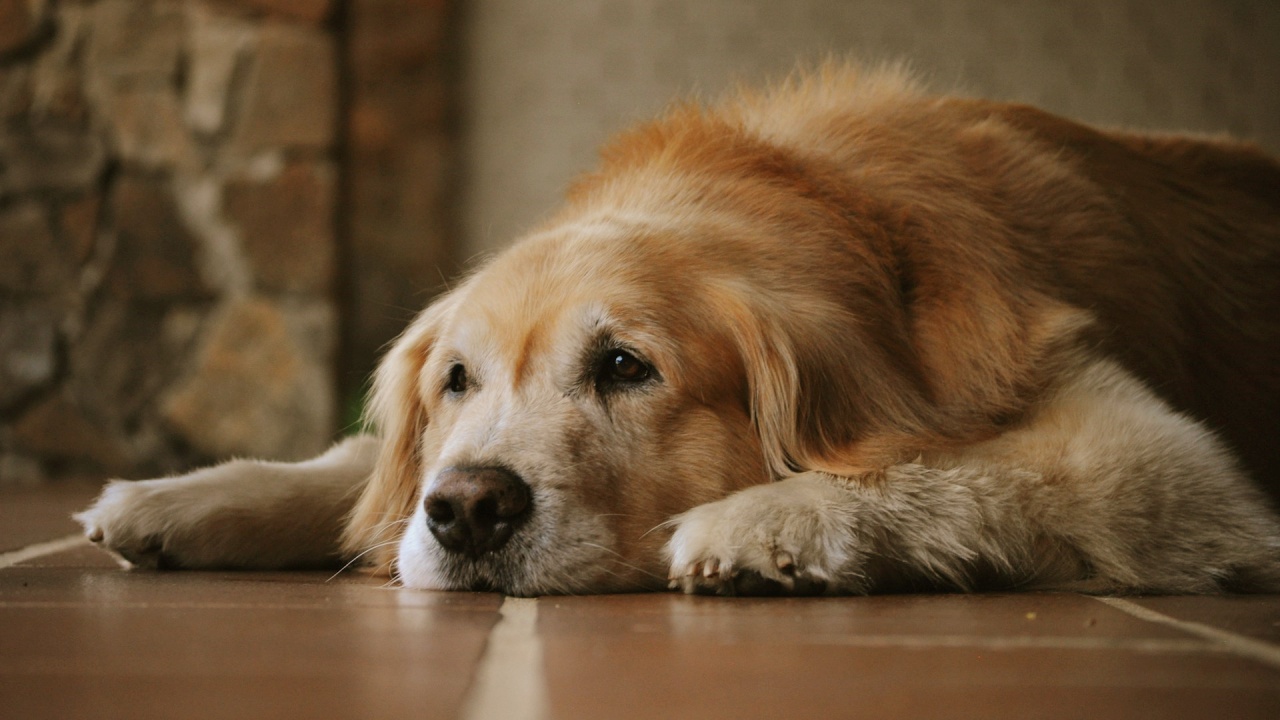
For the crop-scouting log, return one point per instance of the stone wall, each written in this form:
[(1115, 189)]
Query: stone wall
[(168, 182)]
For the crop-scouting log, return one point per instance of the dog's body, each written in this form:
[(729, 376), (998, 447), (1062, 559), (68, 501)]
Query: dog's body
[(840, 336)]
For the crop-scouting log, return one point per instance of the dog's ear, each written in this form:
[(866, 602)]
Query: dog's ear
[(815, 392), (835, 388), (395, 408)]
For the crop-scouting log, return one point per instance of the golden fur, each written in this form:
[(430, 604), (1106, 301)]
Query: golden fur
[(975, 344)]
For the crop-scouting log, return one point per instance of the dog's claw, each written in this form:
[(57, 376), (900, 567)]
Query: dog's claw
[(785, 561)]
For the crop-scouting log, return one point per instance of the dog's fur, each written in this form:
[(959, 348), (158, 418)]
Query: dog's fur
[(889, 341)]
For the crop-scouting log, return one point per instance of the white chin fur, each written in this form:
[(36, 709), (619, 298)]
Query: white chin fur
[(417, 562)]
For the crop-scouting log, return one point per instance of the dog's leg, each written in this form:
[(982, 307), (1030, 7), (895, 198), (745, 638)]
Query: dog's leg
[(1105, 490), (242, 514)]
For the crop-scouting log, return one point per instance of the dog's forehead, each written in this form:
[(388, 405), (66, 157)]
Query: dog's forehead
[(561, 286)]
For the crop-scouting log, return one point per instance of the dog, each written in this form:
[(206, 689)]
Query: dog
[(835, 336)]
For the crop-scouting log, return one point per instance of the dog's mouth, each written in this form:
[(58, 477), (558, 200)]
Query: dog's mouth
[(481, 543)]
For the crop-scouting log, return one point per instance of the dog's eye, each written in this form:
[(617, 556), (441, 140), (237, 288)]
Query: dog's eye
[(620, 367), (458, 380)]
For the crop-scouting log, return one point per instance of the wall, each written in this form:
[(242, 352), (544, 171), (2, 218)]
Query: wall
[(399, 161), (547, 81), (167, 246)]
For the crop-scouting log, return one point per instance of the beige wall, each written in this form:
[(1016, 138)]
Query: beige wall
[(547, 80)]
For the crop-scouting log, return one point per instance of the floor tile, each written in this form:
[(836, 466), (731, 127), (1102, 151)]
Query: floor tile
[(989, 656), (827, 619), (1256, 616), (647, 677), (80, 637), (35, 514), (106, 643)]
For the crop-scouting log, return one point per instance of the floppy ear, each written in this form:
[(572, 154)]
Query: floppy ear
[(395, 408), (816, 392), (830, 391)]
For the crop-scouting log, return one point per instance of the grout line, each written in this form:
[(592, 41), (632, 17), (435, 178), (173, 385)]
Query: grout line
[(1016, 642), (509, 679), (31, 552), (1238, 644)]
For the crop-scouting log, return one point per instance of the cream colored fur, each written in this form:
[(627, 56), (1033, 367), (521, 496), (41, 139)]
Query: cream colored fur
[(247, 514), (1105, 489), (895, 342)]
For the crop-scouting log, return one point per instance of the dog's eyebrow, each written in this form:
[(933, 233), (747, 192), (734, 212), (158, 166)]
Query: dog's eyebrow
[(602, 339)]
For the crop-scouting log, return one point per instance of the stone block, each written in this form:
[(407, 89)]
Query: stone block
[(42, 158), (78, 223), (15, 94), (147, 128), (156, 257), (22, 22), (56, 76), (286, 226), (28, 350), (260, 384), (32, 262), (58, 98), (290, 97), (135, 42), (124, 359), (59, 429), (218, 44), (309, 11)]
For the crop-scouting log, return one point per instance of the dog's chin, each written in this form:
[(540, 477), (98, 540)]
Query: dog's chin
[(539, 559)]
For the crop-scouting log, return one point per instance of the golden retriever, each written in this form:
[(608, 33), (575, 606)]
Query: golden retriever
[(838, 336)]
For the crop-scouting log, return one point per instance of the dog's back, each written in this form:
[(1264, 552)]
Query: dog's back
[(1192, 301)]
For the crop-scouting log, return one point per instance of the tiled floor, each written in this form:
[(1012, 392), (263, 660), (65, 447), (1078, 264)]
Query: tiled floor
[(81, 638)]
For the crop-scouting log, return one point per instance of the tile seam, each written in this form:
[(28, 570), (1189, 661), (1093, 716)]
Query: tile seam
[(509, 681), (1234, 643), (40, 549), (1019, 642)]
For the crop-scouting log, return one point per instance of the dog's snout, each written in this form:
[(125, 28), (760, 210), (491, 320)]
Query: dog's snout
[(475, 510)]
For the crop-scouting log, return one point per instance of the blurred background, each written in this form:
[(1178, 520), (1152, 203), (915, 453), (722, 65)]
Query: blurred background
[(214, 213)]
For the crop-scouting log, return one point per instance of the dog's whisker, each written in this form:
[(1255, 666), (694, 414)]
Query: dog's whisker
[(670, 522), (380, 527), (362, 553), (621, 560)]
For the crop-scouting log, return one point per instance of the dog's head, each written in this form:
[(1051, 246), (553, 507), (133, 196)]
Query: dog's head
[(709, 312), (545, 417)]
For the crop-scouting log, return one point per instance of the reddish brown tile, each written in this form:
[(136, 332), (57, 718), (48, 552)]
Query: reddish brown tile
[(81, 637), (896, 656), (1257, 616), (109, 643), (35, 514), (822, 619), (644, 677)]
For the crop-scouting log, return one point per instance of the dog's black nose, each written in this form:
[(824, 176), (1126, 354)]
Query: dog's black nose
[(475, 510)]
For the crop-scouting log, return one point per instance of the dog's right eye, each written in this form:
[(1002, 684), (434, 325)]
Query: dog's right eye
[(458, 380), (619, 369)]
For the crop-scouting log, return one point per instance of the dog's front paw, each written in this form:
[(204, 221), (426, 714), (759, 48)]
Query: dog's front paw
[(796, 536), (140, 521)]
